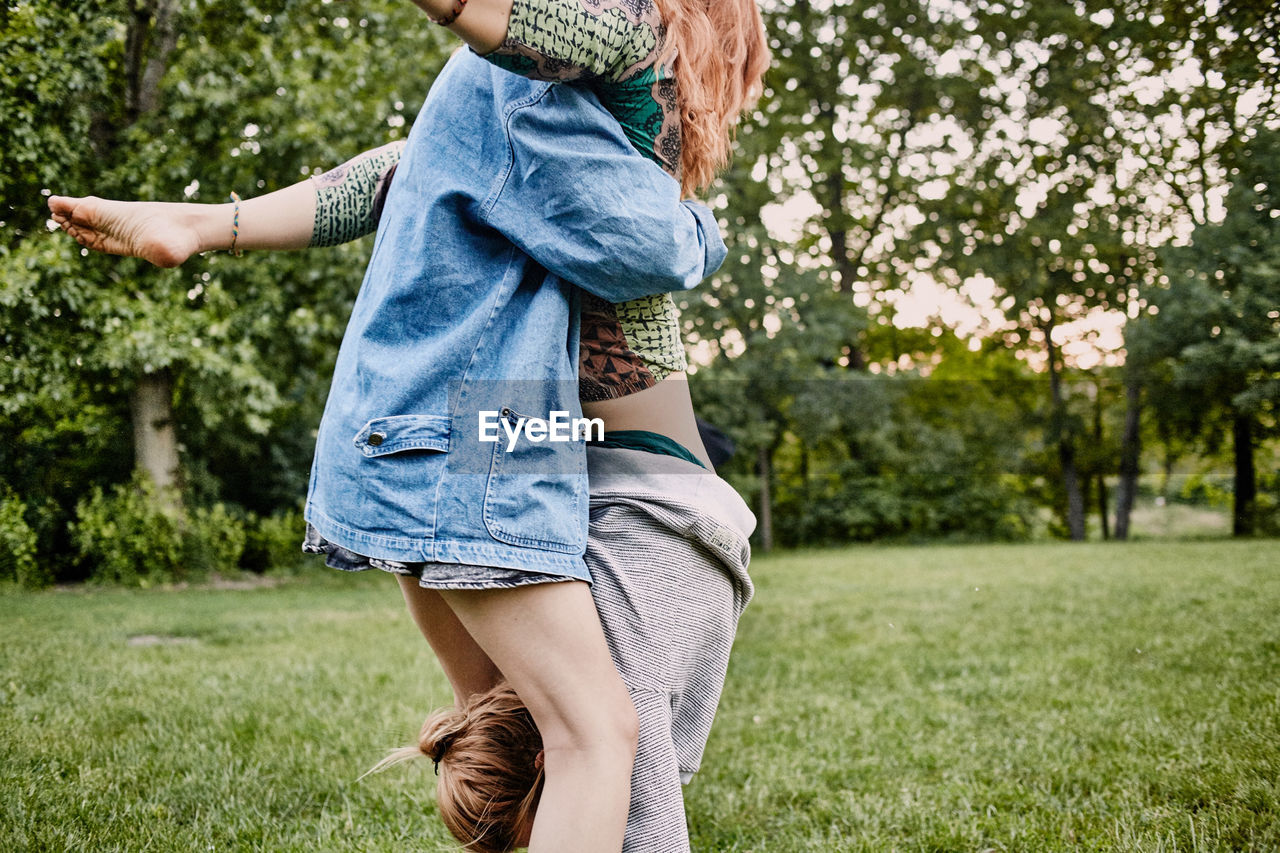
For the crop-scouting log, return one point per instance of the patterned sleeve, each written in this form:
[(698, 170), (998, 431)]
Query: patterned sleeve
[(652, 325), (561, 40), (348, 197), (612, 46), (627, 347)]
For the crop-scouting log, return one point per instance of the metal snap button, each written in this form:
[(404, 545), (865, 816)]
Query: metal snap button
[(376, 438)]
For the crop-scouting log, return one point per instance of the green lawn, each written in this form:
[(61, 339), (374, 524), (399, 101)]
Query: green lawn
[(1023, 698)]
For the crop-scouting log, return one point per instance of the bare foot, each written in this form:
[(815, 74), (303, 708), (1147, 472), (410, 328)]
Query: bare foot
[(155, 231)]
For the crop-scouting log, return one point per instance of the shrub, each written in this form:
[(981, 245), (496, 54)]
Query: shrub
[(1267, 508), (132, 536), (215, 539), (274, 543), (18, 544)]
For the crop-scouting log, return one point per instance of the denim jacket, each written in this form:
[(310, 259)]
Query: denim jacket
[(508, 190)]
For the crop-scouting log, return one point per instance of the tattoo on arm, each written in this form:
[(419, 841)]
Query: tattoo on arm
[(652, 327)]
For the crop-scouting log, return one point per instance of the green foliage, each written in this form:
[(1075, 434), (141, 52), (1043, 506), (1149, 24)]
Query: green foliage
[(214, 540), (1047, 149), (19, 561), (1210, 346), (912, 458), (905, 456), (1268, 506), (108, 99), (274, 543), (1218, 320), (127, 536)]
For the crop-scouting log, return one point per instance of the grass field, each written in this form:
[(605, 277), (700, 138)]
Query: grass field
[(1021, 698)]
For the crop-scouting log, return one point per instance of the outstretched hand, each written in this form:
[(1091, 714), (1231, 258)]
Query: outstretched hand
[(154, 231)]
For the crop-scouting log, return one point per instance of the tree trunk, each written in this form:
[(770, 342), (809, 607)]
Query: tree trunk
[(1130, 456), (1103, 518), (846, 267), (155, 444), (1100, 476), (1066, 447), (1246, 485), (151, 37), (765, 470), (839, 220), (165, 40), (1071, 484), (1166, 467)]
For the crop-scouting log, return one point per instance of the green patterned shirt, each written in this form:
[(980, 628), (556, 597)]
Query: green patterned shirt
[(612, 46)]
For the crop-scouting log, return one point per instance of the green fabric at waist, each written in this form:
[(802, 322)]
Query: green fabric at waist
[(649, 442)]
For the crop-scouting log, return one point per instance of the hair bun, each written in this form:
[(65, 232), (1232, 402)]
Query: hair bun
[(437, 749), (440, 731)]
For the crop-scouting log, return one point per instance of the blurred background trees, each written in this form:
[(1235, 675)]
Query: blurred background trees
[(206, 379), (990, 263), (1009, 174)]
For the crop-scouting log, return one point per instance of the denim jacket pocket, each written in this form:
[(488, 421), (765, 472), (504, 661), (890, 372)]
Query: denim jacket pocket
[(536, 495), (398, 433)]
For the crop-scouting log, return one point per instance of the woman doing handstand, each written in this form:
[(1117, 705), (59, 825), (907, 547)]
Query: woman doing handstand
[(626, 348)]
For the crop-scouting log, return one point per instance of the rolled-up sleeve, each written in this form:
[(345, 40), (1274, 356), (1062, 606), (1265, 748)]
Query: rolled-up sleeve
[(582, 203)]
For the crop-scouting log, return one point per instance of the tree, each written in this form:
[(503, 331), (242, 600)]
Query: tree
[(1227, 82), (1217, 322), (198, 364)]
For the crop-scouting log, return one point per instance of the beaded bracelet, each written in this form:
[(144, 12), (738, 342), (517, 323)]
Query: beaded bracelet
[(235, 226), (452, 16)]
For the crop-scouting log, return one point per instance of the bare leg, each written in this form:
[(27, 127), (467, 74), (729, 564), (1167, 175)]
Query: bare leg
[(547, 641), (467, 667), (164, 234)]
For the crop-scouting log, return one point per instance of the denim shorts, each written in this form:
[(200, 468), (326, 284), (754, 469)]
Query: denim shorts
[(429, 575)]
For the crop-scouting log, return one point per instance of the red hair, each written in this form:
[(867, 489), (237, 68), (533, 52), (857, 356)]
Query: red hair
[(721, 53)]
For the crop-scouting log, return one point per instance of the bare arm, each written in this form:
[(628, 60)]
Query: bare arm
[(167, 234)]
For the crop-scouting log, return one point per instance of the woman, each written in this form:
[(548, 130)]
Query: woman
[(163, 237), (667, 551), (668, 556)]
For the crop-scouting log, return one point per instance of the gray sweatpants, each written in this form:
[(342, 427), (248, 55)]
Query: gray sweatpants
[(668, 555)]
